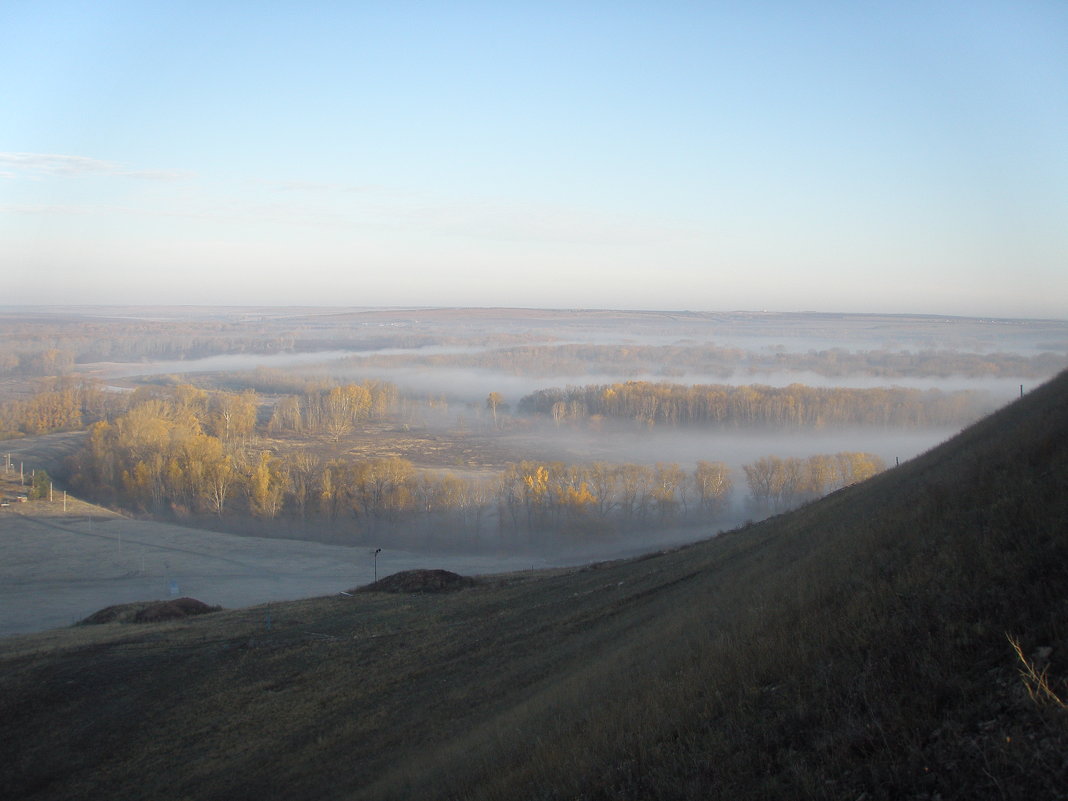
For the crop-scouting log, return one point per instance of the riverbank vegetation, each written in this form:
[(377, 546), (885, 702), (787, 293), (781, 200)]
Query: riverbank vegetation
[(183, 451)]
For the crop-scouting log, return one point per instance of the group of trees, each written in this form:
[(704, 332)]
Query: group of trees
[(160, 455), (776, 484), (59, 404), (594, 497), (188, 451), (45, 361), (797, 405), (334, 411), (68, 404), (193, 472)]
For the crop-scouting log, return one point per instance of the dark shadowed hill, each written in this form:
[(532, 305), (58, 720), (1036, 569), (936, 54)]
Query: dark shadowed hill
[(861, 647)]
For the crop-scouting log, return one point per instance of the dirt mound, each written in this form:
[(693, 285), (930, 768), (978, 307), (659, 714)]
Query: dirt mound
[(149, 611), (420, 581)]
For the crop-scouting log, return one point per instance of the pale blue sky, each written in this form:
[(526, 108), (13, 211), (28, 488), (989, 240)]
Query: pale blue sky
[(852, 156)]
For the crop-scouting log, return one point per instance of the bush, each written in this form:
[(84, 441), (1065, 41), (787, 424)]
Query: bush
[(41, 486)]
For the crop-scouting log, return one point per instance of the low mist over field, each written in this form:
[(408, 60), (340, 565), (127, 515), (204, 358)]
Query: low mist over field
[(437, 436), (505, 433), (899, 638), (464, 355)]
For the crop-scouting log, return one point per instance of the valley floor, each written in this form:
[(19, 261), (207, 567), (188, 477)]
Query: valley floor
[(58, 568)]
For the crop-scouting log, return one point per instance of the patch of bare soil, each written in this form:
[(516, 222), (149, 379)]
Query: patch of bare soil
[(149, 612), (420, 581)]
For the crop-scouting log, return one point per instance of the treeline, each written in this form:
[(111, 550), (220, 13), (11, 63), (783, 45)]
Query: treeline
[(186, 449), (777, 484), (189, 453), (50, 343), (725, 361), (58, 404), (47, 345), (52, 346), (754, 405), (31, 363), (36, 353), (67, 404)]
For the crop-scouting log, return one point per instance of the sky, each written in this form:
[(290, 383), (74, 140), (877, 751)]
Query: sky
[(905, 157)]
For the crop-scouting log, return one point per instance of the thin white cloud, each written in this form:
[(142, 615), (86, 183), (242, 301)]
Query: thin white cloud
[(155, 175), (315, 187), (42, 208), (55, 164)]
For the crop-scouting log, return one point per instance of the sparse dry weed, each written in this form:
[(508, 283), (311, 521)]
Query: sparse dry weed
[(1036, 679)]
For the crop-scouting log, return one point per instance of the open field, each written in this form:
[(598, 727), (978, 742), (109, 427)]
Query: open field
[(59, 568)]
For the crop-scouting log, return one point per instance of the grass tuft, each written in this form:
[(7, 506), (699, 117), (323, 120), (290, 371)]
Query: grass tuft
[(1035, 679)]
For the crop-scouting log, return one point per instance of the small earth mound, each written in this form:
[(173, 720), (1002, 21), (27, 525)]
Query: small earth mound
[(419, 581), (149, 611)]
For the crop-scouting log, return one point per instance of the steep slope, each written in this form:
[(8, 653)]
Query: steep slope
[(856, 647)]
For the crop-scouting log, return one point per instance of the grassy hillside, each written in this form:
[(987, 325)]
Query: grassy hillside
[(857, 648)]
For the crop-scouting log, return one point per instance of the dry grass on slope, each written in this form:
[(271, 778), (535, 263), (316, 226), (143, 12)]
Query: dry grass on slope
[(855, 648)]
